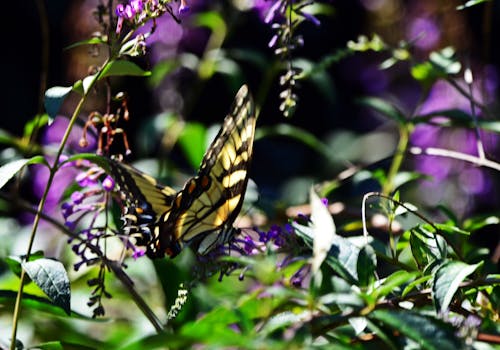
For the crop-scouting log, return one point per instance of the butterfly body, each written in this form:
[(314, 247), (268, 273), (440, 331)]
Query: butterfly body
[(202, 214)]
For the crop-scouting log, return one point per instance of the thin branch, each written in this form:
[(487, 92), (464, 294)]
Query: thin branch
[(441, 152), (113, 265)]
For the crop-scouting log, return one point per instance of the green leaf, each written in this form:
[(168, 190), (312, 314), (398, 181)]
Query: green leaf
[(392, 282), (91, 41), (405, 177), (54, 97), (366, 265), (476, 223), (423, 247), (53, 345), (447, 281), (323, 229), (88, 82), (445, 61), (424, 73), (415, 283), (193, 142), (9, 170), (52, 278), (470, 3), (342, 257), (37, 303), (37, 122), (121, 67), (428, 332), (385, 108), (15, 262)]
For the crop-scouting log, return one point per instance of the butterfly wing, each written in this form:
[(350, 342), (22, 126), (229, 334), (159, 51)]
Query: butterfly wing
[(145, 202), (203, 212)]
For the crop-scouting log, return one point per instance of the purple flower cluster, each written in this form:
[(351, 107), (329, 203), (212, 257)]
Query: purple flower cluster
[(451, 177), (278, 240), (84, 208), (137, 12)]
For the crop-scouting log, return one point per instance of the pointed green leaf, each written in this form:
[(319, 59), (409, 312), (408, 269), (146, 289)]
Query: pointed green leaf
[(342, 257), (54, 97), (447, 281), (52, 278), (323, 229), (392, 282), (366, 265), (9, 170), (193, 142), (36, 303), (91, 41), (428, 332), (88, 82), (117, 68), (15, 262)]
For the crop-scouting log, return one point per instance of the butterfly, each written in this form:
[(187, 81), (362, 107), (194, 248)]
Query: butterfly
[(201, 215)]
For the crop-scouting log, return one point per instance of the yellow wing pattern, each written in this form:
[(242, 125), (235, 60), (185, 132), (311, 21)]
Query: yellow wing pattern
[(203, 212), (201, 215)]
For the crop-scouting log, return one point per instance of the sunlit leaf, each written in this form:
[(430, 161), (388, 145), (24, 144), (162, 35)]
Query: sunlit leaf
[(423, 247), (471, 3), (392, 282), (37, 303), (50, 275), (323, 230), (428, 332), (122, 67), (38, 122), (447, 281), (9, 170), (192, 140), (412, 285), (342, 257), (15, 262), (54, 98), (91, 41), (476, 223)]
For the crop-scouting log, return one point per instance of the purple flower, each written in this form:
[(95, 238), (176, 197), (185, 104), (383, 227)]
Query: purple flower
[(120, 10), (136, 5), (426, 30), (184, 7), (138, 253), (108, 184)]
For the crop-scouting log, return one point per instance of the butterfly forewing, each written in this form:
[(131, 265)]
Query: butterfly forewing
[(202, 214)]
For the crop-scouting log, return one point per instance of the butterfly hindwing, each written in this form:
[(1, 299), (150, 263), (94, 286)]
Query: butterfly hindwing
[(145, 202), (202, 213)]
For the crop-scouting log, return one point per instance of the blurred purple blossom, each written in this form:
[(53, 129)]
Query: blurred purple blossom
[(454, 178), (424, 31), (65, 175)]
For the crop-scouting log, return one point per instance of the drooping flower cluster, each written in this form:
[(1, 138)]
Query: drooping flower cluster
[(285, 40), (86, 215), (277, 240)]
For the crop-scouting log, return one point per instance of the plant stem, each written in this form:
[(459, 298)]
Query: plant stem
[(404, 137), (52, 173)]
